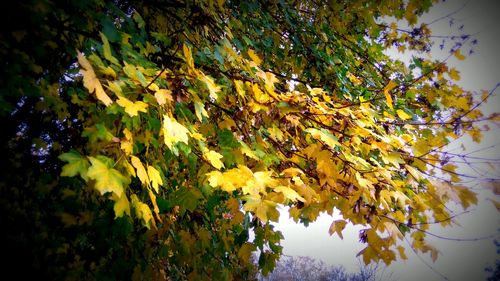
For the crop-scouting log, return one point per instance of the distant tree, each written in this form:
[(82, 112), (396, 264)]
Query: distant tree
[(495, 269), (300, 268)]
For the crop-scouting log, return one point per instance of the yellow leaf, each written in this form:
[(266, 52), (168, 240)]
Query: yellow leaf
[(127, 144), (214, 159), (115, 88), (275, 133), (232, 179), (459, 55), (454, 74), (188, 55), (213, 89), (239, 88), (259, 182), (142, 211), (391, 85), (354, 80), (106, 179), (132, 108), (156, 210), (155, 177), (400, 197), (247, 151), (292, 172), (476, 135), (107, 71), (129, 168), (269, 80), (90, 80), (363, 182), (215, 178), (403, 115), (254, 57), (414, 172), (462, 103), (325, 136), (263, 209), (385, 199), (127, 147), (200, 110), (121, 206), (141, 171), (289, 193), (163, 95), (467, 197), (173, 132), (402, 254), (337, 227), (369, 254), (393, 230)]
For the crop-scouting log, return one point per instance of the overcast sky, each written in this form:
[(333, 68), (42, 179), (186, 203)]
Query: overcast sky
[(458, 260)]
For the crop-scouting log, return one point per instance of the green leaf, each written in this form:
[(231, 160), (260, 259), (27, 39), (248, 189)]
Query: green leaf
[(186, 199), (77, 164), (107, 50), (227, 139)]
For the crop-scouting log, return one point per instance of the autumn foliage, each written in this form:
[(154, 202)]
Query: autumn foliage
[(160, 134)]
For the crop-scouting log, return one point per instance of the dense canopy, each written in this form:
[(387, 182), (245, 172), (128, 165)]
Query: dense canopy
[(149, 139)]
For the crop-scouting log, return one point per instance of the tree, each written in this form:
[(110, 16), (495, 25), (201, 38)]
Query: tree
[(148, 139), (495, 269), (305, 268)]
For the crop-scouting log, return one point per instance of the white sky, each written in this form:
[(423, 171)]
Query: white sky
[(458, 260)]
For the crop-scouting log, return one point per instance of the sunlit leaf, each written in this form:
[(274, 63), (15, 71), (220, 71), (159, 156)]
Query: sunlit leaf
[(106, 178), (91, 82), (132, 108)]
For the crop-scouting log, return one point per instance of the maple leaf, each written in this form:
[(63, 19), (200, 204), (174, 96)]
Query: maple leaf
[(263, 209), (401, 251), (127, 145), (141, 171), (230, 180), (391, 85), (188, 55), (336, 227), (142, 211), (107, 49), (155, 177), (454, 74), (156, 209), (77, 164), (163, 95), (173, 132), (214, 159), (200, 110), (403, 115), (121, 206), (458, 55), (132, 108), (213, 89), (354, 80), (253, 56), (324, 135), (245, 252), (106, 178), (289, 193), (90, 80)]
